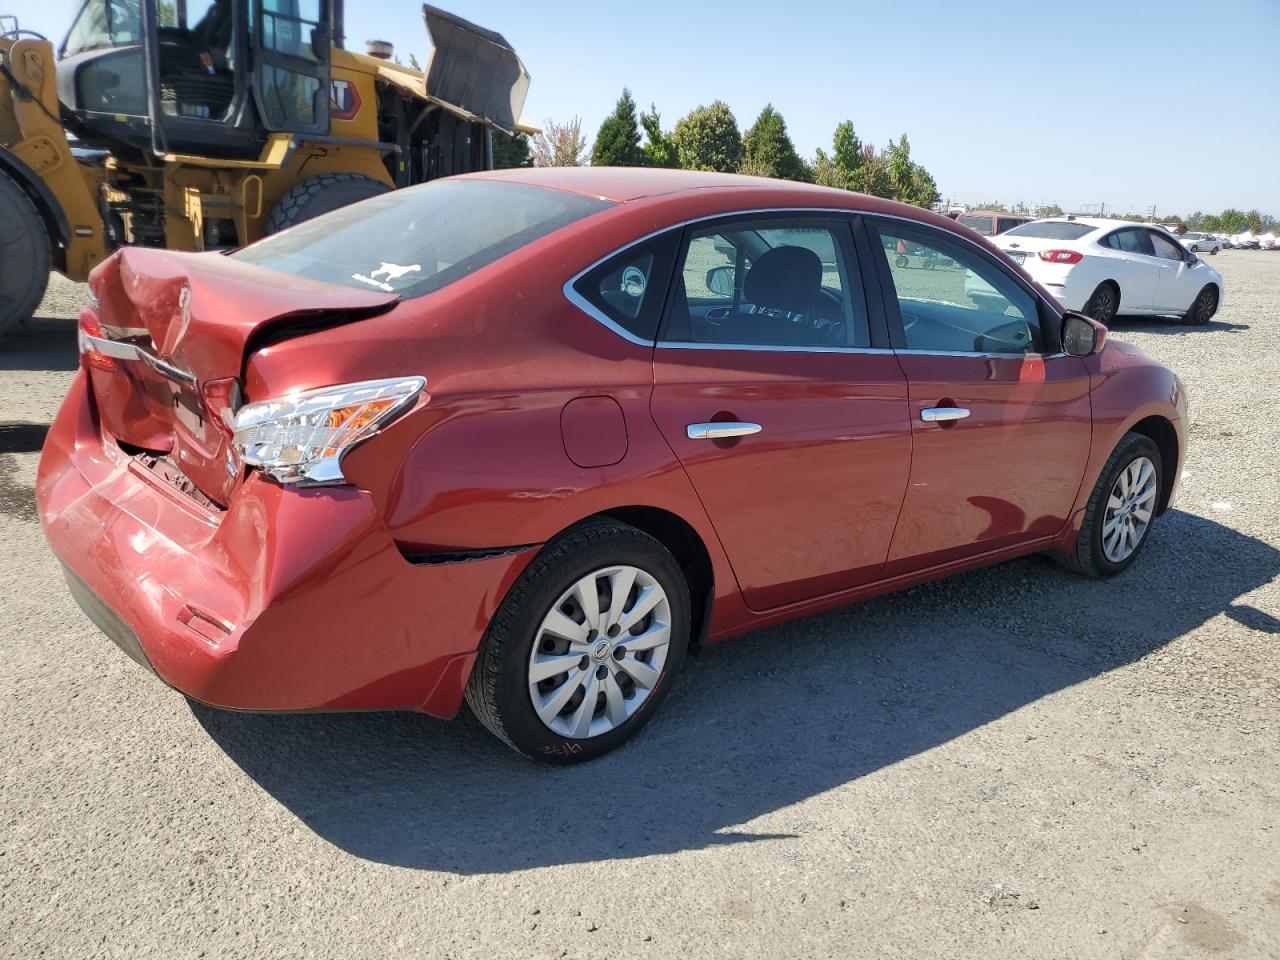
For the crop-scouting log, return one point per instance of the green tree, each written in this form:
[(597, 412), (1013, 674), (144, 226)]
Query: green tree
[(509, 151), (413, 61), (1048, 210), (767, 150), (1233, 220), (911, 182), (708, 139), (825, 172), (1253, 220), (559, 144), (873, 176), (659, 148), (618, 142), (846, 149)]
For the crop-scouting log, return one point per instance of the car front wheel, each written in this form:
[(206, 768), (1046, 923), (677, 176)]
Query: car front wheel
[(1203, 307), (585, 646), (1121, 509)]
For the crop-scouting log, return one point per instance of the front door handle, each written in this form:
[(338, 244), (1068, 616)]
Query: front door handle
[(942, 414), (721, 431)]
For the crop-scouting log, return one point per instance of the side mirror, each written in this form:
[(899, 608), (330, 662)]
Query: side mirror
[(1082, 336), (720, 281)]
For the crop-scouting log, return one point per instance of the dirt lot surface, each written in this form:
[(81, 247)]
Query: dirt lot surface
[(1014, 763)]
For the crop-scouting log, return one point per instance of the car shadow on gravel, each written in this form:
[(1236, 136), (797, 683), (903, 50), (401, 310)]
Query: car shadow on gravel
[(753, 725), (42, 343), (1164, 326)]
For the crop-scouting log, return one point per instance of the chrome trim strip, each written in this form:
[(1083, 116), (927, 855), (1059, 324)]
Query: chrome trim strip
[(131, 351), (689, 345), (590, 310)]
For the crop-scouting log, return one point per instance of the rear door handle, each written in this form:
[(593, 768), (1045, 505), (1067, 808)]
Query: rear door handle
[(720, 431), (941, 414)]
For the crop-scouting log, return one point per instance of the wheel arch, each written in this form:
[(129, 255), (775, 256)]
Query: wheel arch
[(1160, 431), (686, 545), (46, 204)]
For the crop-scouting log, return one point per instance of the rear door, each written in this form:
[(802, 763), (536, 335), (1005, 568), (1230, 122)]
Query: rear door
[(291, 47), (1000, 418), (775, 387)]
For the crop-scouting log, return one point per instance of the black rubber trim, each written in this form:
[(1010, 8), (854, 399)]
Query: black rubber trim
[(106, 619), (50, 210), (425, 558)]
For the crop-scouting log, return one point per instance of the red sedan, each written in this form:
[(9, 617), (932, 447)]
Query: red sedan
[(526, 437)]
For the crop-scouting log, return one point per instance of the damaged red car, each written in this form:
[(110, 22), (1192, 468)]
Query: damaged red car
[(526, 438)]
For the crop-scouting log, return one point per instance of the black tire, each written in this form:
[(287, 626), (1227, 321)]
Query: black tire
[(498, 691), (1203, 307), (1213, 251), (1086, 555), (902, 261), (1104, 303), (322, 194), (24, 256)]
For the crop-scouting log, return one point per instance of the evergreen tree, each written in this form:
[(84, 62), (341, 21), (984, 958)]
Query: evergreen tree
[(767, 150), (659, 148), (618, 142), (509, 151)]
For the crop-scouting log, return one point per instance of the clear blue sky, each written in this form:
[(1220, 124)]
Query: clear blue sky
[(1171, 102)]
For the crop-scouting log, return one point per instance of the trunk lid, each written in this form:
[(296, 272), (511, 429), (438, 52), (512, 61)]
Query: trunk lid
[(177, 329)]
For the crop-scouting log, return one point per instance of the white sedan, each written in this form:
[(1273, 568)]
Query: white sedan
[(1109, 267), (1201, 242)]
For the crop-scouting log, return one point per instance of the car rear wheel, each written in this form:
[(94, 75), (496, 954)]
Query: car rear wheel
[(585, 646), (1203, 307), (1121, 509), (1104, 303)]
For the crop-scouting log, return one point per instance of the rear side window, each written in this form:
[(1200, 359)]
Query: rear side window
[(1008, 225), (416, 241), (1053, 230), (628, 289), (1131, 240)]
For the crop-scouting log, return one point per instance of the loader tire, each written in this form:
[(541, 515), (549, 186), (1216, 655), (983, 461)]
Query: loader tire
[(322, 194), (24, 256)]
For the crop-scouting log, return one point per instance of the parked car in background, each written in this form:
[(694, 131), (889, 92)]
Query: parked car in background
[(1245, 241), (526, 437), (1224, 239), (1267, 242), (1201, 242), (1108, 267), (988, 223)]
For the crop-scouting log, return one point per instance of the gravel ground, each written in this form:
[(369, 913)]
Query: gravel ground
[(1014, 763)]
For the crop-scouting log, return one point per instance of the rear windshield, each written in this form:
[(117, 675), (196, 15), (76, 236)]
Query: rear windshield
[(415, 241), (1052, 230), (979, 225)]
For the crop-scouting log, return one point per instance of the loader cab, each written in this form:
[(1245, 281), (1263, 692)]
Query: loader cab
[(208, 77)]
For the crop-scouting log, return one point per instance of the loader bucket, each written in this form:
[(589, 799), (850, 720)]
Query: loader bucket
[(473, 71)]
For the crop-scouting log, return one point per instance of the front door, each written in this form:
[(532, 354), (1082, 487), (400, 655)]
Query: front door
[(1177, 285), (789, 420), (1000, 418), (291, 43)]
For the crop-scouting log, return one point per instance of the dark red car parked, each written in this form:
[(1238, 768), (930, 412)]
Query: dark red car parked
[(525, 437)]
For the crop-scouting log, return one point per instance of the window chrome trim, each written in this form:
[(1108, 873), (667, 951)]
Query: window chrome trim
[(691, 345), (579, 301)]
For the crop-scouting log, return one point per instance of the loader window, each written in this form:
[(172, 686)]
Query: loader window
[(418, 240), (104, 23)]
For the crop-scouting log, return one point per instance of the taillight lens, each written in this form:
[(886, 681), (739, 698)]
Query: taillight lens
[(302, 437), (1060, 256), (91, 327)]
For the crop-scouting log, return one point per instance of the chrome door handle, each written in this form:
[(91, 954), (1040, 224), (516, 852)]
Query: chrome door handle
[(940, 414), (721, 431)]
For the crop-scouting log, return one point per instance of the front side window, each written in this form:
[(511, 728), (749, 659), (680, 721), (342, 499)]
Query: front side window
[(418, 240), (952, 300), (1165, 247), (768, 283)]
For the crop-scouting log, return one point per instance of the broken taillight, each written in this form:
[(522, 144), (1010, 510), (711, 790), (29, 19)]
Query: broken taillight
[(90, 330)]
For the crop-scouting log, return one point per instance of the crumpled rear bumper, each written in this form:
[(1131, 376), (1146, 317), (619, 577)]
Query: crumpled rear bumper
[(291, 599)]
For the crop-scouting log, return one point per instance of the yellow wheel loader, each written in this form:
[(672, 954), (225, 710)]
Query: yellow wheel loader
[(200, 124)]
